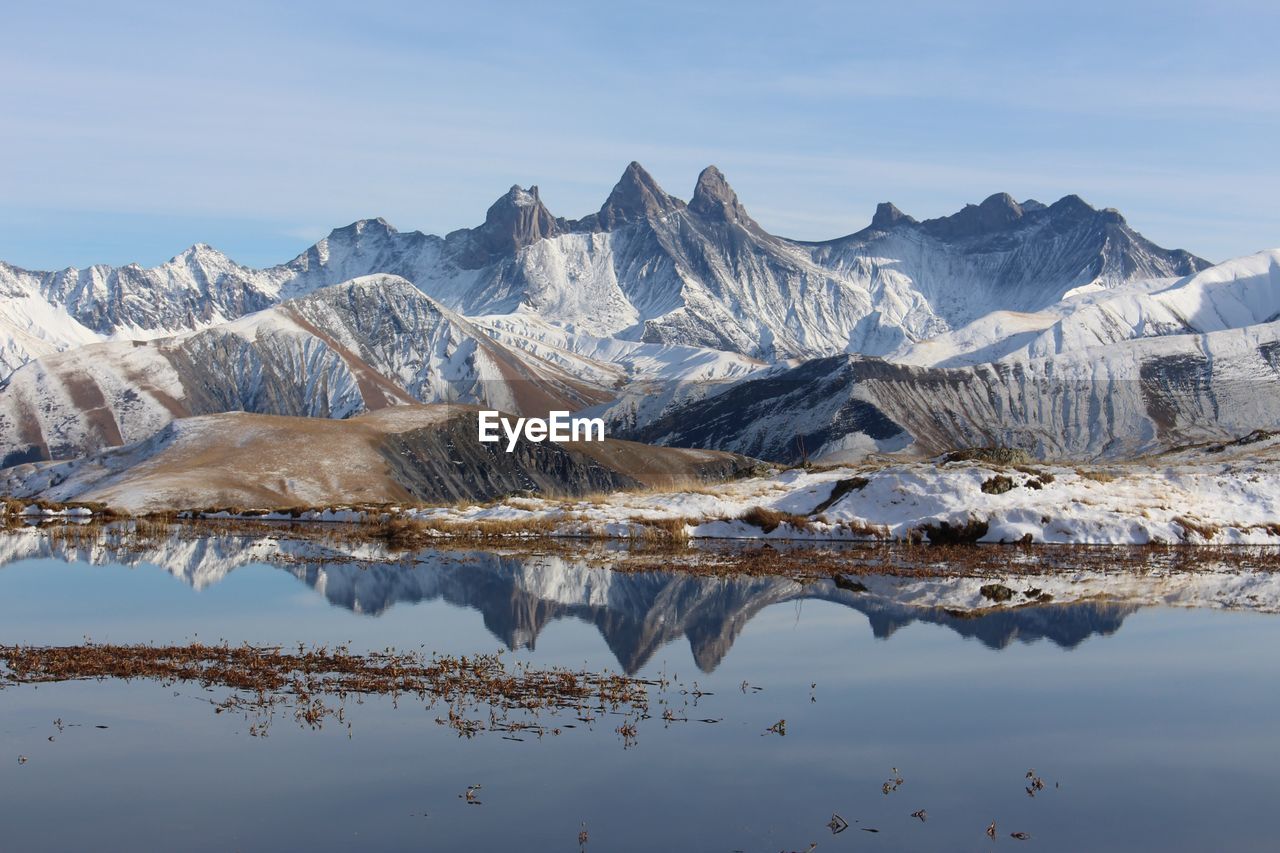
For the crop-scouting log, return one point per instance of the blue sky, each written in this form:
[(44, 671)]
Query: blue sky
[(132, 130)]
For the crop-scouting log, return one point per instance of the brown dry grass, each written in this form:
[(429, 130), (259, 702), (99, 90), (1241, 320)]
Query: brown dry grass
[(667, 530), (479, 692), (769, 520), (15, 506), (1205, 530), (404, 533)]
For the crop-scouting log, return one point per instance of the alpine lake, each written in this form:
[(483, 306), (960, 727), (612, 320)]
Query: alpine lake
[(209, 687)]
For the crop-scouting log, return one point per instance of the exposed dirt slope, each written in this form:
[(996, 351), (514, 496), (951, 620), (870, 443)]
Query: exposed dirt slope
[(426, 453)]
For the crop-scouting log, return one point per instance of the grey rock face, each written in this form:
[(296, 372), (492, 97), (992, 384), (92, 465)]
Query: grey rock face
[(514, 221), (887, 216), (1149, 396), (635, 197), (447, 464), (716, 200)]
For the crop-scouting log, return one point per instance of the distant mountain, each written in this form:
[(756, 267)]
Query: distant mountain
[(645, 267)]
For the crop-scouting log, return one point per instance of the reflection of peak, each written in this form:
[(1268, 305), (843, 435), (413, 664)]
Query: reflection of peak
[(639, 613), (1066, 625)]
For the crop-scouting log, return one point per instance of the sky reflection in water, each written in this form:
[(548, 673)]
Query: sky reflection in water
[(1158, 724)]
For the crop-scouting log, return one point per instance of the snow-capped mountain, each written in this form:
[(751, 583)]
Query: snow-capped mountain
[(197, 288), (645, 267), (364, 345), (1116, 372), (1055, 328)]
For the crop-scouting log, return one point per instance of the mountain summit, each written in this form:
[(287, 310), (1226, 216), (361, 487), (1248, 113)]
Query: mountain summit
[(715, 199), (636, 196), (646, 266), (516, 220)]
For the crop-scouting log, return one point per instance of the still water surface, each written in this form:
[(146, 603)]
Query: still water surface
[(1153, 728)]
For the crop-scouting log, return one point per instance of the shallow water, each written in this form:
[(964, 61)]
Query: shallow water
[(1152, 727)]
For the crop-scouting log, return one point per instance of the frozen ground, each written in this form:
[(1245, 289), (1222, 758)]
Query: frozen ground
[(1197, 501), (1218, 495)]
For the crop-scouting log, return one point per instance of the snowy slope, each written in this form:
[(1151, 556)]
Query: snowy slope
[(1219, 494), (1232, 295), (1117, 400), (364, 345), (31, 326)]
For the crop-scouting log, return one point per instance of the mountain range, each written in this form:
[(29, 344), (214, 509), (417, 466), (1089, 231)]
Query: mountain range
[(1056, 328), (646, 267)]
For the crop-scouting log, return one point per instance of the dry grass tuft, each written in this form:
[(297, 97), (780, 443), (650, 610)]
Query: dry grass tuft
[(1206, 531), (664, 529), (997, 485), (769, 520)]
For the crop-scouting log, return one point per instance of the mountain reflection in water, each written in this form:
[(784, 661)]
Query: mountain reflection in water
[(636, 612)]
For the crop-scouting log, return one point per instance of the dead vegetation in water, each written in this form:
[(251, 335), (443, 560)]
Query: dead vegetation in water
[(658, 545), (474, 694)]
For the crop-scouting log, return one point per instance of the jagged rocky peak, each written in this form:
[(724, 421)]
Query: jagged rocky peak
[(360, 232), (713, 198), (635, 197), (888, 215), (200, 254), (1075, 207), (515, 220), (997, 212)]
